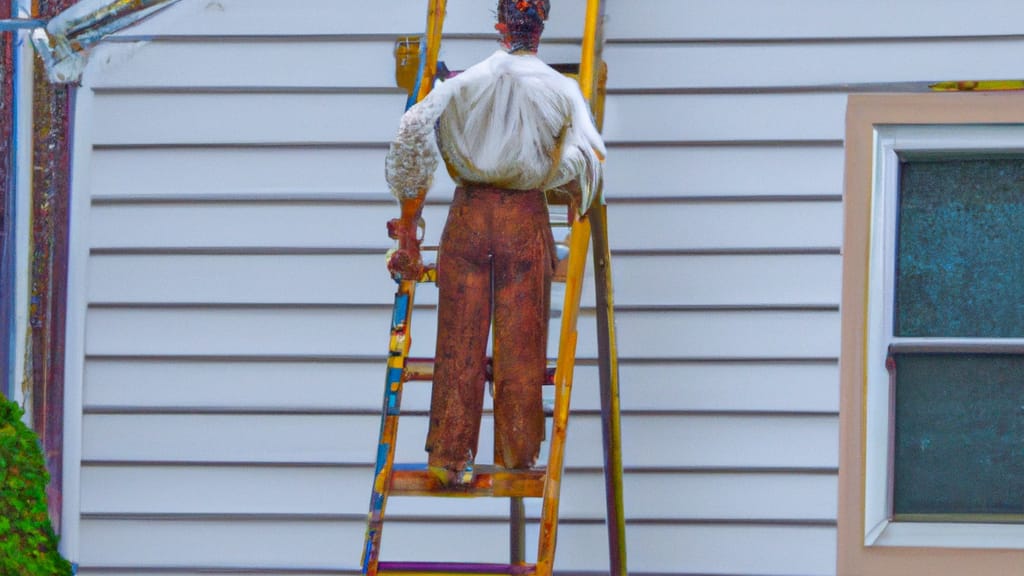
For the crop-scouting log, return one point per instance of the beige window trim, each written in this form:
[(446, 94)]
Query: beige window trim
[(865, 114)]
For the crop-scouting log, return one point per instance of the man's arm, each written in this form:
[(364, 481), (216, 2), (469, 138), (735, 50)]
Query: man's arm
[(409, 168), (581, 168)]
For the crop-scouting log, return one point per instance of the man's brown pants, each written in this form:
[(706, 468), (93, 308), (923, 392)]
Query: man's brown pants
[(496, 260)]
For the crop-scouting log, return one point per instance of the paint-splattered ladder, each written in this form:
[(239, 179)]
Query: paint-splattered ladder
[(391, 479)]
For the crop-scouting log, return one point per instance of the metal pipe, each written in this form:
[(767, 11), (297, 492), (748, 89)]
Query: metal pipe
[(517, 531), (21, 172), (106, 15), (8, 122), (67, 36), (13, 24), (451, 568)]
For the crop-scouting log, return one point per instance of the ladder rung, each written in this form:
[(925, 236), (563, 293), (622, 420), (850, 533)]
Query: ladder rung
[(487, 481), (422, 370), (429, 275), (453, 568)]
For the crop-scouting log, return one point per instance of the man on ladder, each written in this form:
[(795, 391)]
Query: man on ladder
[(509, 129)]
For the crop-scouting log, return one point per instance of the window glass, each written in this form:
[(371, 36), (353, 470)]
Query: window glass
[(959, 436), (960, 249)]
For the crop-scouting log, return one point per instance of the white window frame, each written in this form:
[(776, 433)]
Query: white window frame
[(891, 142)]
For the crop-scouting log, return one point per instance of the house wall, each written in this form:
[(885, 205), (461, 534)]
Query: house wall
[(232, 303)]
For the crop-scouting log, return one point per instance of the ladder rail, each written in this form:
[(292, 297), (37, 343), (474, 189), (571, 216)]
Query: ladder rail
[(608, 375), (581, 235), (579, 244), (401, 332), (607, 346), (398, 349)]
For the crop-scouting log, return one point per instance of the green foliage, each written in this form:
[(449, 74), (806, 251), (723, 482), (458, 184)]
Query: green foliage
[(28, 546)]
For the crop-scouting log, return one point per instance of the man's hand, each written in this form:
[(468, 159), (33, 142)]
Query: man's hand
[(404, 261), (405, 264), (574, 194)]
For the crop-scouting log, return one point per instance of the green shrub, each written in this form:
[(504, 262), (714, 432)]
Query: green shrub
[(28, 546)]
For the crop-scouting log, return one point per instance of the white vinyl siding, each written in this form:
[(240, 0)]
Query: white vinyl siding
[(238, 305)]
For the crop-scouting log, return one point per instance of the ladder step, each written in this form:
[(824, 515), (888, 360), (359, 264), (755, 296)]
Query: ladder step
[(422, 370), (488, 481), (453, 568)]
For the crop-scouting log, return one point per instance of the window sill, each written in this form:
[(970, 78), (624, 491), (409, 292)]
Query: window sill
[(946, 535)]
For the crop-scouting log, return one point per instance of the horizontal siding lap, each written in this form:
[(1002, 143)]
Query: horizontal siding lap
[(242, 64), (706, 550), (757, 442), (368, 64), (319, 225), (245, 117), (258, 118), (731, 497), (724, 226), (280, 386), (774, 65), (277, 544), (245, 279), (736, 171), (790, 20), (726, 334), (344, 64), (212, 491), (269, 544), (328, 332), (360, 279), (230, 438), (208, 490), (681, 118), (281, 172), (717, 441), (723, 387), (308, 225), (237, 332), (646, 19), (724, 280), (265, 17), (276, 172)]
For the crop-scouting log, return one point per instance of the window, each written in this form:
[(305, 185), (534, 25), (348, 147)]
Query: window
[(954, 359), (932, 413)]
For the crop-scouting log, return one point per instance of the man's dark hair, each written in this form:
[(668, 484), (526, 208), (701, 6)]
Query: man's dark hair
[(521, 22)]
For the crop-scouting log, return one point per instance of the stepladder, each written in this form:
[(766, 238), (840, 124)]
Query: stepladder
[(542, 482)]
